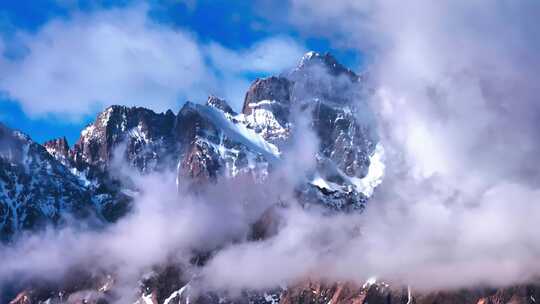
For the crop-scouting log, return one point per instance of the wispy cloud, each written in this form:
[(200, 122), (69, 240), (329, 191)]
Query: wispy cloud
[(268, 56), (457, 106), (458, 116), (164, 227), (76, 65)]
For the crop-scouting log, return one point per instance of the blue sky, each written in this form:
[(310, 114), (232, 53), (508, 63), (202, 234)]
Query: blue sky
[(219, 35)]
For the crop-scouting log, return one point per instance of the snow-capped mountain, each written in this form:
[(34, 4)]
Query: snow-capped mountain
[(203, 142), (37, 189), (146, 137), (208, 140)]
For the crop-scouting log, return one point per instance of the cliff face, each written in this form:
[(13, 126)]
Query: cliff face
[(35, 188), (379, 293)]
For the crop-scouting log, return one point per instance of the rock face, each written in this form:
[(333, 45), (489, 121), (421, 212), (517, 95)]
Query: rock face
[(334, 99), (59, 149), (36, 189), (167, 286), (76, 287), (314, 292), (146, 137)]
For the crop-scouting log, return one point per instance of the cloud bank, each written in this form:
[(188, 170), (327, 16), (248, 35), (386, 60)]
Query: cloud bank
[(456, 100), (82, 63), (169, 225)]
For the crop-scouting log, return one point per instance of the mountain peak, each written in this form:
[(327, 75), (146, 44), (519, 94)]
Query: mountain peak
[(203, 142), (136, 126), (308, 56), (219, 104), (313, 59), (312, 55), (59, 148), (60, 142)]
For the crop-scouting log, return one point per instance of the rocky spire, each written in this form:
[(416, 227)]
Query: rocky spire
[(58, 148), (219, 104)]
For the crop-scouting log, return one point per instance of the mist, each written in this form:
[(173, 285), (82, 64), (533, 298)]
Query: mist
[(456, 101), (456, 105), (169, 224)]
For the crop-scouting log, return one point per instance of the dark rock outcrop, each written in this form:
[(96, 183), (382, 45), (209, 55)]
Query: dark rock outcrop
[(144, 135), (35, 188)]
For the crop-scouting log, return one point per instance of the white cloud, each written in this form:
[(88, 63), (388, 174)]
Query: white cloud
[(116, 56), (119, 56), (457, 107), (269, 56), (160, 229)]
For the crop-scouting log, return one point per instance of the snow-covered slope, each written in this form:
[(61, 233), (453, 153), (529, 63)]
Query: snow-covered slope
[(334, 99), (36, 189)]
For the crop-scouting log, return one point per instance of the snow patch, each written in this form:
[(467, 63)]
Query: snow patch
[(410, 297), (147, 299), (257, 139), (82, 176), (308, 56), (321, 183), (177, 295), (271, 299), (241, 134), (106, 116), (375, 174), (264, 122), (369, 282), (88, 132), (261, 103), (138, 134)]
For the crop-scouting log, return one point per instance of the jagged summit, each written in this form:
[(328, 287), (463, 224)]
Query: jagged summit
[(36, 189), (326, 60), (59, 148), (313, 56), (317, 79), (220, 104), (136, 127)]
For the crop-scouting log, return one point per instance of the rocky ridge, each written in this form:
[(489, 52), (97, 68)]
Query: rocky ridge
[(203, 142)]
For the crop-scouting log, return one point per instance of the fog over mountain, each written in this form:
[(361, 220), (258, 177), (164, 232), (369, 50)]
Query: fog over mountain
[(457, 111), (410, 181)]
